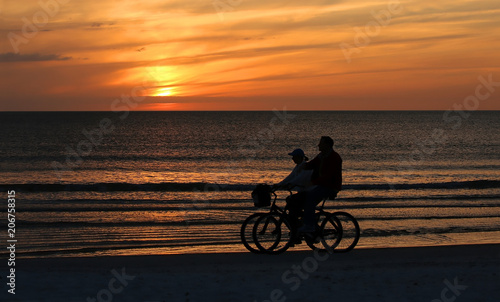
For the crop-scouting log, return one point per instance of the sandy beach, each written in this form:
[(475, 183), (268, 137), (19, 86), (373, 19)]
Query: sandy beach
[(444, 273)]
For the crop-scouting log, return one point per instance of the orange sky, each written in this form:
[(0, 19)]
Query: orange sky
[(248, 54)]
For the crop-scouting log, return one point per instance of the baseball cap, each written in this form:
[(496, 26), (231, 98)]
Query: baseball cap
[(297, 152)]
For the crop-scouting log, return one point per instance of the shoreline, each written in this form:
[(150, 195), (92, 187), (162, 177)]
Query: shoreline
[(382, 274), (237, 248)]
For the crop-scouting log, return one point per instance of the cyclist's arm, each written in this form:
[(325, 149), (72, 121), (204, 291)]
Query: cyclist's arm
[(287, 179), (302, 180)]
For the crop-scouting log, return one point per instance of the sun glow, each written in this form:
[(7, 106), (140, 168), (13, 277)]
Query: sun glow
[(163, 92)]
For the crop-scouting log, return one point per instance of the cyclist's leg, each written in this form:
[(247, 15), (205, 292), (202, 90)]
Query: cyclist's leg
[(313, 197), (295, 203)]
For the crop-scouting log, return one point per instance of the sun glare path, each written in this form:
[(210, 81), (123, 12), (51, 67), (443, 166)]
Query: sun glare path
[(161, 106)]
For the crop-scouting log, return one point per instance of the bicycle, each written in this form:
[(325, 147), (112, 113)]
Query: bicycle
[(272, 232)]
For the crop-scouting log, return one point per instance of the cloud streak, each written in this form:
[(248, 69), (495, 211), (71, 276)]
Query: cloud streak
[(34, 57), (285, 48)]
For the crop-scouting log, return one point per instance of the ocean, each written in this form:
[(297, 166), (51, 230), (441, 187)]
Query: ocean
[(106, 183)]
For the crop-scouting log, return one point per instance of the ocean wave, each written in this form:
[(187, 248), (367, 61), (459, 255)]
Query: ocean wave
[(214, 187), (202, 222), (242, 206), (94, 224), (112, 187)]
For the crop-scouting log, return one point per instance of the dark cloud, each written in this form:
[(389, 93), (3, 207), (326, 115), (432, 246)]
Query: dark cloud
[(99, 26), (17, 57)]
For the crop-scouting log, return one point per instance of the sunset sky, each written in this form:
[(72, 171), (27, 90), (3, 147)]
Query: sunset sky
[(248, 54)]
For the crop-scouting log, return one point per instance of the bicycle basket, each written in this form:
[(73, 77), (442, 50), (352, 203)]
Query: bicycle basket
[(262, 196)]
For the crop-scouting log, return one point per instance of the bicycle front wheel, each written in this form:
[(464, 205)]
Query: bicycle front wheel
[(272, 233), (246, 233), (350, 232), (328, 233)]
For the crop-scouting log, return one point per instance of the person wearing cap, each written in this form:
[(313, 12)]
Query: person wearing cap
[(299, 179)]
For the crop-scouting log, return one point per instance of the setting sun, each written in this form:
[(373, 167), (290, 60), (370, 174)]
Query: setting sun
[(167, 91)]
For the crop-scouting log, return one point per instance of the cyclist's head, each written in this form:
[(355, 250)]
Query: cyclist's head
[(325, 143), (298, 156)]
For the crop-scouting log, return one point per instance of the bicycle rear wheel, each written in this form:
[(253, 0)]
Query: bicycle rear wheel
[(350, 232), (246, 233), (272, 233)]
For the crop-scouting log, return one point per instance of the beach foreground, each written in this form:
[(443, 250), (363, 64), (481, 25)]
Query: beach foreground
[(444, 273)]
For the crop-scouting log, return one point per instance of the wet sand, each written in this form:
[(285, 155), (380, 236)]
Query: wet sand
[(443, 273)]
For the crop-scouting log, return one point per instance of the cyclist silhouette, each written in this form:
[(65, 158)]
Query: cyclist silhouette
[(327, 178)]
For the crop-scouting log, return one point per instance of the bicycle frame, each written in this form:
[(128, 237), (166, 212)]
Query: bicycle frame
[(282, 212)]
